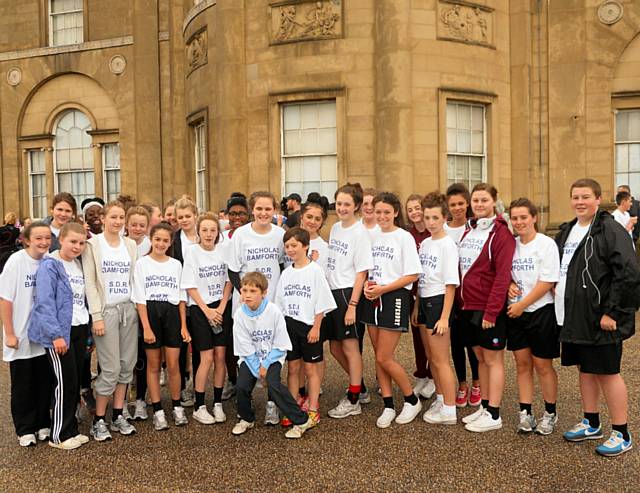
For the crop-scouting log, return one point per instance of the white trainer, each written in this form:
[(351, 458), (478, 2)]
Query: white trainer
[(201, 415), (160, 421), (386, 418), (345, 409), (271, 415), (409, 412), (429, 389), (68, 444), (473, 416), (140, 413), (241, 427), (218, 413), (420, 383), (27, 440), (439, 418), (43, 434), (484, 423)]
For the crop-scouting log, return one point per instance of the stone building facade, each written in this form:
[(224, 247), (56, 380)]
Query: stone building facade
[(157, 98)]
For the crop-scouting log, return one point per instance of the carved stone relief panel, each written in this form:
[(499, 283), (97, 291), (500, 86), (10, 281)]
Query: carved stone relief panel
[(304, 20), (197, 50), (466, 22)]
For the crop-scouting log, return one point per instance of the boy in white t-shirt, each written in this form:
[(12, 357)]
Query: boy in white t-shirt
[(261, 342), (304, 296), (621, 214)]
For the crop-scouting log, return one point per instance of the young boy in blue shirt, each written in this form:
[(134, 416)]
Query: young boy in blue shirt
[(261, 342)]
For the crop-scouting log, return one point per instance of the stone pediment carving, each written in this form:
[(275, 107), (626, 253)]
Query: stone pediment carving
[(465, 22), (304, 20), (197, 50)]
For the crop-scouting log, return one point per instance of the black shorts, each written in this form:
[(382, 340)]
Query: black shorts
[(430, 310), (390, 311), (202, 336), (469, 324), (599, 360), (164, 319), (337, 330), (537, 331), (298, 331)]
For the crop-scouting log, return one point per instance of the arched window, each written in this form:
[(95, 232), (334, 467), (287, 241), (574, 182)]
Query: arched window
[(73, 157)]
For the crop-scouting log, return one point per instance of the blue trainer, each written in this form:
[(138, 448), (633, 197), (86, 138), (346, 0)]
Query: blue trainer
[(583, 431), (616, 445)]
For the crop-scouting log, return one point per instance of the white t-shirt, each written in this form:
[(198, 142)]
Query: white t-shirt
[(76, 279), (470, 247), (250, 251), (349, 253), (116, 264), (185, 243), (322, 247), (394, 255), (258, 335), (205, 270), (576, 235), (144, 247), (536, 261), (439, 259), (17, 283), (157, 281), (303, 293), (623, 218), (455, 233), (225, 249)]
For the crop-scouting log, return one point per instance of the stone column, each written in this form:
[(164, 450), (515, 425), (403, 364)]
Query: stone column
[(230, 132), (394, 116), (97, 167), (148, 164)]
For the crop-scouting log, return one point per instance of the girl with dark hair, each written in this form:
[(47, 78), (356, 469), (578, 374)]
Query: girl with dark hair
[(458, 204), (386, 311), (532, 328), (161, 306)]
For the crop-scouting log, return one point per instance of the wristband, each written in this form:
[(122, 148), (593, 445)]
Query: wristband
[(353, 303)]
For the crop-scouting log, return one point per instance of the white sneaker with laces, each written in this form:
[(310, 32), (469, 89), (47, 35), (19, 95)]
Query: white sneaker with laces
[(409, 412), (122, 426), (484, 423), (547, 424), (435, 407), (27, 440), (429, 389), (44, 434), (241, 427), (179, 416), (420, 383), (160, 421), (271, 415), (345, 409), (186, 398), (474, 415), (439, 418), (140, 413), (527, 422), (296, 431), (201, 415), (68, 444), (218, 413), (125, 412), (386, 418), (99, 431)]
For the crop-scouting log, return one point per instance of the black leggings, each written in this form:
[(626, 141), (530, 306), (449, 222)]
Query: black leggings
[(458, 347), (141, 371)]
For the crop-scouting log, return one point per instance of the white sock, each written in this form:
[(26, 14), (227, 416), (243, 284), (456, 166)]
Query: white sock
[(448, 410), (440, 398)]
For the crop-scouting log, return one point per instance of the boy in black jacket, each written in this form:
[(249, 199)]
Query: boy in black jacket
[(596, 300)]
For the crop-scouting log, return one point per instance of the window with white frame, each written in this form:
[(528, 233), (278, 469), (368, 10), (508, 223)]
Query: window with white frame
[(309, 148), (111, 167), (466, 143), (37, 184), (73, 156), (200, 155), (627, 143), (65, 22)]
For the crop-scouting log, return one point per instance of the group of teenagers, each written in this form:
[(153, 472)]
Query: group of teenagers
[(188, 292)]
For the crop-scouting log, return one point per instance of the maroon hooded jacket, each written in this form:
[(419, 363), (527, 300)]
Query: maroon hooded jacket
[(486, 283)]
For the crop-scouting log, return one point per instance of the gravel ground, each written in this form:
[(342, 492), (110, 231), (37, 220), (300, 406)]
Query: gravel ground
[(346, 455)]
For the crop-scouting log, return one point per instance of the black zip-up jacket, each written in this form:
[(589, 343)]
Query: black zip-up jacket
[(603, 278)]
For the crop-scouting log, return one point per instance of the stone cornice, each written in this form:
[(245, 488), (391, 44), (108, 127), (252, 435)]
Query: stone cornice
[(196, 10), (57, 50)]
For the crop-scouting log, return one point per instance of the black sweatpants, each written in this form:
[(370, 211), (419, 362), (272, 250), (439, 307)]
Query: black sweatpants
[(31, 388), (231, 360), (141, 371), (278, 393)]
